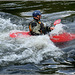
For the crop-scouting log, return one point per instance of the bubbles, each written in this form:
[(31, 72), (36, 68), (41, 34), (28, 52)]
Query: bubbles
[(31, 49), (23, 50), (6, 25), (58, 29)]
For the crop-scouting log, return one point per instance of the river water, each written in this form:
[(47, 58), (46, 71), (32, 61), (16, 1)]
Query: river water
[(36, 54)]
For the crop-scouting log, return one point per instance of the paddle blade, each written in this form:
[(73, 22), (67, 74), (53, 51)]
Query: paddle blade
[(57, 21)]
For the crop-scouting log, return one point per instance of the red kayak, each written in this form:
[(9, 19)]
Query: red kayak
[(64, 37)]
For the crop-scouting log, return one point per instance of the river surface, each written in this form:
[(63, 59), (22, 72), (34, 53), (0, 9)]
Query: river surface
[(36, 54)]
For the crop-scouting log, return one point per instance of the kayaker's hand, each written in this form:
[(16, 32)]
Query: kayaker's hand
[(51, 28)]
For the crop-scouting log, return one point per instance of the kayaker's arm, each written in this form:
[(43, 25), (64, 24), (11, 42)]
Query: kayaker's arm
[(49, 28)]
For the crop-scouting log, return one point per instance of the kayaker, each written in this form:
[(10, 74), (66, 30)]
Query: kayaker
[(36, 27)]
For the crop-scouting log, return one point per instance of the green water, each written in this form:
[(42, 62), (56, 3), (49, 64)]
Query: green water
[(46, 7)]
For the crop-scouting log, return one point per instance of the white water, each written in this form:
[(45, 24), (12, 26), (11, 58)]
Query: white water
[(58, 29), (22, 50)]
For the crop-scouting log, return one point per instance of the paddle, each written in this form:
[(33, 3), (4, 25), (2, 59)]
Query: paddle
[(57, 22)]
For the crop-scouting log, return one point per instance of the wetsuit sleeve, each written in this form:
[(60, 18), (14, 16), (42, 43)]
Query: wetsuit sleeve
[(48, 28)]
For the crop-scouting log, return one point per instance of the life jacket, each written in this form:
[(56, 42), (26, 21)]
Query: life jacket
[(37, 28)]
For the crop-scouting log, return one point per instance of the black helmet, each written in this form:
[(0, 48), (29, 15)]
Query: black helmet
[(35, 13)]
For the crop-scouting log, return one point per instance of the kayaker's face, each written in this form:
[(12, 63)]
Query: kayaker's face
[(38, 17)]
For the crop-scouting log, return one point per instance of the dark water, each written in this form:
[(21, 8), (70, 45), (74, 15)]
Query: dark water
[(36, 55)]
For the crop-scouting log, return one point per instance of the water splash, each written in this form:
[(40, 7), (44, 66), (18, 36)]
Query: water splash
[(6, 25), (22, 50), (31, 49), (58, 29)]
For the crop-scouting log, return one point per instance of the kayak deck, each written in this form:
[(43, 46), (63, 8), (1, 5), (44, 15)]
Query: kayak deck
[(64, 37)]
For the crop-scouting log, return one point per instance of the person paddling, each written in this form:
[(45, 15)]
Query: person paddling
[(36, 27)]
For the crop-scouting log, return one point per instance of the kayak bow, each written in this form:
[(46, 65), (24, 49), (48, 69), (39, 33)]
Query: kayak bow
[(64, 37)]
